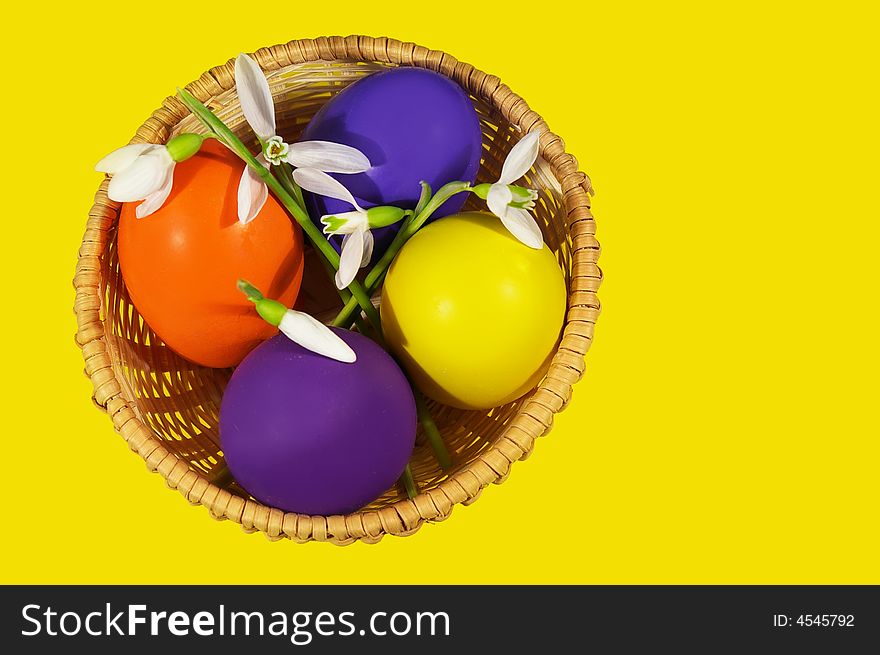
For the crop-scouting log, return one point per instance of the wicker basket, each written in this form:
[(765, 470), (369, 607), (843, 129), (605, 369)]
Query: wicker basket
[(166, 408)]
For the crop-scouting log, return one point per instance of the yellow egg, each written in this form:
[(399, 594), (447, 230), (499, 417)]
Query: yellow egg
[(472, 314)]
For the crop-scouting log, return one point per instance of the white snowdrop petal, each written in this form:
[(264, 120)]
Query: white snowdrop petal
[(328, 157), (145, 175), (369, 242), (156, 199), (313, 335), (311, 179), (252, 195), (522, 225), (520, 159), (255, 97), (498, 199), (350, 258), (121, 158)]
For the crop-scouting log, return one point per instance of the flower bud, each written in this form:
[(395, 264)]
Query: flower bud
[(522, 197), (481, 190), (382, 216), (184, 146), (271, 311)]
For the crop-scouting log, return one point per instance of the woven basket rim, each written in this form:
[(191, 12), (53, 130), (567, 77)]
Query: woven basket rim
[(533, 418)]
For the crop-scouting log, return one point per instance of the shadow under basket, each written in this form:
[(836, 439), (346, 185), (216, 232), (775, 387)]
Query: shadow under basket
[(167, 408)]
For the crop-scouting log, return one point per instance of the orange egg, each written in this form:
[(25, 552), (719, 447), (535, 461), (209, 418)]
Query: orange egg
[(181, 263)]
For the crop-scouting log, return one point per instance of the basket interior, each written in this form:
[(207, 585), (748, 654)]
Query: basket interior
[(180, 400)]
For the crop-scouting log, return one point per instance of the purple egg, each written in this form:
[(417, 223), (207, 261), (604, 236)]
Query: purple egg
[(413, 124), (308, 434)]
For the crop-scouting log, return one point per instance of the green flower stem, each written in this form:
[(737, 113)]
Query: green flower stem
[(409, 483), (221, 475), (298, 193), (431, 431), (292, 188), (361, 297), (226, 136), (407, 230), (344, 317), (424, 198), (253, 294), (363, 327), (427, 206), (285, 175)]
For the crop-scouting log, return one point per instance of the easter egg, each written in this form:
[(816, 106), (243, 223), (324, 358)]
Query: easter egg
[(309, 434), (412, 124), (181, 264), (473, 314)]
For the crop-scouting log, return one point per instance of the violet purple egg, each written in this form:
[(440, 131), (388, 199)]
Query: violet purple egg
[(412, 124), (309, 434)]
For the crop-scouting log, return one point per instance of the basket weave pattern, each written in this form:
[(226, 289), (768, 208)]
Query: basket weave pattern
[(167, 408)]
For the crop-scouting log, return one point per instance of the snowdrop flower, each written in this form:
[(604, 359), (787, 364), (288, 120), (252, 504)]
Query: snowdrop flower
[(259, 111), (145, 171), (357, 242), (299, 327), (511, 203), (313, 335)]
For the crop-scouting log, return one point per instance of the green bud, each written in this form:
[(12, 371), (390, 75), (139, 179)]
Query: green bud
[(382, 216), (272, 311), (482, 190), (521, 195), (184, 146)]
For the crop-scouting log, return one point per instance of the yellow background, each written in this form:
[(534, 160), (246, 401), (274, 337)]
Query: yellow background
[(726, 430)]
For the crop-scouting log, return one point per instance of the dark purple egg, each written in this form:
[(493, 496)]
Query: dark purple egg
[(308, 434), (413, 124)]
